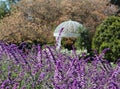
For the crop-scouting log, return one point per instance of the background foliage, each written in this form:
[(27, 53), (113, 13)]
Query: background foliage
[(35, 20)]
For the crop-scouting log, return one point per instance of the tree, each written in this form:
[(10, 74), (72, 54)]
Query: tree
[(35, 20)]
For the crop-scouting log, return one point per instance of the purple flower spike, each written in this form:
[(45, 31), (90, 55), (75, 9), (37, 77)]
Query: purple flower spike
[(112, 85), (15, 86), (42, 75), (49, 69)]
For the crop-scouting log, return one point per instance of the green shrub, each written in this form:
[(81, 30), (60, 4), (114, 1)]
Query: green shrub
[(83, 41), (108, 36)]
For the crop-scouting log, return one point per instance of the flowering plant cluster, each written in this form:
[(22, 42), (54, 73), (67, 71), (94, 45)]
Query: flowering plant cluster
[(78, 52), (37, 68)]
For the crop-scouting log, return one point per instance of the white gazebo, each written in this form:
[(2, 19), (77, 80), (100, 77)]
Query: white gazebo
[(67, 29)]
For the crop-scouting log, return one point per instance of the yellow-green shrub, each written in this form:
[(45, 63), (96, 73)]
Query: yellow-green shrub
[(108, 36)]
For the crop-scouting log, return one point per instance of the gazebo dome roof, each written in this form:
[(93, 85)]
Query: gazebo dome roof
[(70, 29)]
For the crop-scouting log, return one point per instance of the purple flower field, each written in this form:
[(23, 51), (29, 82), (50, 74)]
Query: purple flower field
[(38, 68)]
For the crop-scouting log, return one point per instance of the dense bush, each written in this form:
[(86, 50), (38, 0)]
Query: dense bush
[(108, 36), (47, 68)]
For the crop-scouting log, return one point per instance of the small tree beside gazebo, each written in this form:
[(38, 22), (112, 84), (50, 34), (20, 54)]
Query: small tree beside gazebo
[(69, 29)]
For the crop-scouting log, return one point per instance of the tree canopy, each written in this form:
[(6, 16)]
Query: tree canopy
[(35, 19)]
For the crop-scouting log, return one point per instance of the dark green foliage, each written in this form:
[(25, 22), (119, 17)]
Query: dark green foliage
[(83, 41), (68, 43), (108, 36), (115, 2), (2, 10)]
